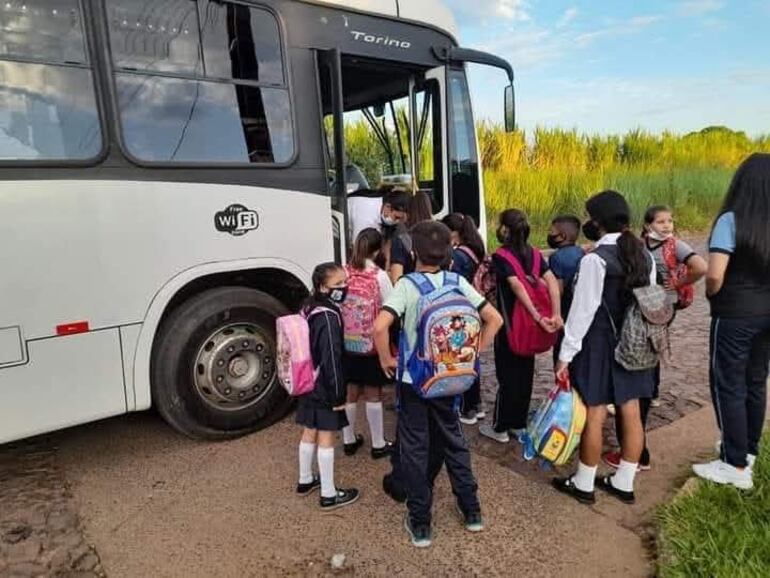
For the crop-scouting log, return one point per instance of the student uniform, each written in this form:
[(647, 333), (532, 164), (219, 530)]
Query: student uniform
[(314, 409), (515, 374), (593, 328), (740, 347), (429, 433), (465, 265)]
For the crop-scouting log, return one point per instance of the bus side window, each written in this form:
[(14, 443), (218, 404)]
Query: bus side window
[(48, 106), (221, 95)]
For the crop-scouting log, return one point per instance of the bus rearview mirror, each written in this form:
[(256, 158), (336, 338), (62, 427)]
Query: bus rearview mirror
[(510, 109)]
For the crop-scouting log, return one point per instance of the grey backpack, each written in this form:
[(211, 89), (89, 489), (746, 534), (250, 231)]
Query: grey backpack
[(643, 338)]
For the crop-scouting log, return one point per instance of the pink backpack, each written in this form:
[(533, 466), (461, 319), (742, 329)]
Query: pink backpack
[(296, 370), (360, 309), (525, 336)]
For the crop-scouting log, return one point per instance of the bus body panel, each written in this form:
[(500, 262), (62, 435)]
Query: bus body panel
[(137, 237), (67, 381)]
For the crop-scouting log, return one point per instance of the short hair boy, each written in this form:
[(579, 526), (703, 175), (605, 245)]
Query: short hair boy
[(428, 429)]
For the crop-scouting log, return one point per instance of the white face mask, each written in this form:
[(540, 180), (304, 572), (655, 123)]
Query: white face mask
[(388, 221), (655, 236)]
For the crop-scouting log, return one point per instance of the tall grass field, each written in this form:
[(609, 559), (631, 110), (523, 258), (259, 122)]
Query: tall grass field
[(553, 171)]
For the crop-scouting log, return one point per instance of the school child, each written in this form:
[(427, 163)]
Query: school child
[(603, 293), (738, 286), (369, 287), (402, 260), (563, 236), (321, 411), (678, 268), (468, 252), (515, 373), (429, 433)]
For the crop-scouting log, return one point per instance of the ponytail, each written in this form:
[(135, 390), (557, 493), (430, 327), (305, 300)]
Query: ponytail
[(465, 227), (368, 242), (633, 258)]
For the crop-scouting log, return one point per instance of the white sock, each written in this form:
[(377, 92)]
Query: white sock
[(584, 477), (306, 454), (624, 478), (375, 418), (349, 432), (326, 469)]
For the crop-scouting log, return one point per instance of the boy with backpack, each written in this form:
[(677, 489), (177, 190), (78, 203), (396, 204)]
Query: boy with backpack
[(446, 323)]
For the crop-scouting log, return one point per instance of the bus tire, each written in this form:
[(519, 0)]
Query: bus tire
[(213, 369)]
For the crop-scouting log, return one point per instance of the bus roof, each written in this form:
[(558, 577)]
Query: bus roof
[(433, 12)]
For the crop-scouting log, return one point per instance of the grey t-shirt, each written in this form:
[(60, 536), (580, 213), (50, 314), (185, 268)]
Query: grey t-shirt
[(683, 253)]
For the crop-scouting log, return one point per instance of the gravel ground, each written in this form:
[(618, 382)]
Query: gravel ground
[(41, 533)]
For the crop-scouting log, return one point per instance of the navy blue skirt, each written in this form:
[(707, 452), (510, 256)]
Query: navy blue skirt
[(600, 379), (312, 416)]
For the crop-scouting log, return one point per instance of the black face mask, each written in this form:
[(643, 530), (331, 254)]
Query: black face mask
[(591, 231), (338, 294), (555, 241)]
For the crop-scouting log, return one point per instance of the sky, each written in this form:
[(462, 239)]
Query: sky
[(612, 66)]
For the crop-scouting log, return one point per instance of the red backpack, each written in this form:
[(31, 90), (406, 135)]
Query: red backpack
[(678, 272), (525, 336)]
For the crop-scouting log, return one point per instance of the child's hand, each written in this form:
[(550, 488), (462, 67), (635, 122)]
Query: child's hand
[(562, 370), (389, 365), (547, 324), (558, 322), (670, 284)]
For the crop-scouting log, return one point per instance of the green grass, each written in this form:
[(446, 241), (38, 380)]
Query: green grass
[(552, 171), (718, 531)]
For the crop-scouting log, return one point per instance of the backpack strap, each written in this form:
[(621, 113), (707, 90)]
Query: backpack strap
[(511, 259), (421, 281), (468, 251), (451, 279)]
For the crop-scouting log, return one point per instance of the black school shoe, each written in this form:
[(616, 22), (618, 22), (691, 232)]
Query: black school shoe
[(342, 499), (351, 449), (383, 452), (567, 486), (393, 489), (605, 483), (309, 488)]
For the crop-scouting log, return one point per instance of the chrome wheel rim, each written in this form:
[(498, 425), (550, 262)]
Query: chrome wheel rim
[(234, 367)]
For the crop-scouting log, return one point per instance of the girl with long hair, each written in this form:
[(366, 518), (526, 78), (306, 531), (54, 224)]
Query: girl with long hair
[(738, 286), (603, 293), (516, 373)]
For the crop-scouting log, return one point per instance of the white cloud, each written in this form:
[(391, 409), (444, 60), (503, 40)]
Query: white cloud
[(630, 26), (489, 10), (569, 15), (700, 7)]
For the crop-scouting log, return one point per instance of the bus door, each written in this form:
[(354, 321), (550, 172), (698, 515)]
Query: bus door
[(385, 125)]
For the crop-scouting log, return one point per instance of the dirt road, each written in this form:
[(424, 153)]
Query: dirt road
[(153, 503)]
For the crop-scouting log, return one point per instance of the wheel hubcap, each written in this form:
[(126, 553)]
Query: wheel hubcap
[(234, 367)]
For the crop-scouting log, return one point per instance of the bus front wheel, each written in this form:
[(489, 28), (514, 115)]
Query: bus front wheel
[(213, 364)]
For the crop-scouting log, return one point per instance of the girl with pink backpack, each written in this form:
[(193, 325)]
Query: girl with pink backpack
[(368, 287), (321, 410), (530, 303)]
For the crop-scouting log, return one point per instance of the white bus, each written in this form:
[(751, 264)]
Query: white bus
[(167, 185)]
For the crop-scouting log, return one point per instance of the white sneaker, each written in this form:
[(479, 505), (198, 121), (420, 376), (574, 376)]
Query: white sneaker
[(750, 458), (720, 472), (611, 409), (481, 414), (488, 431)]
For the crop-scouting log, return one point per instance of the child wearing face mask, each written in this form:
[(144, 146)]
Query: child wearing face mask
[(322, 411), (562, 238), (677, 265)]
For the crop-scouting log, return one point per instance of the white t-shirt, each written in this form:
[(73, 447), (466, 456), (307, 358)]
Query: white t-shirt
[(364, 208)]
